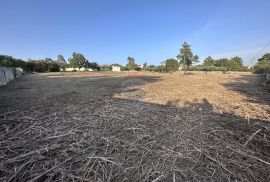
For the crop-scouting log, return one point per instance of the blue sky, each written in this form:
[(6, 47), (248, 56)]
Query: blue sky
[(108, 31)]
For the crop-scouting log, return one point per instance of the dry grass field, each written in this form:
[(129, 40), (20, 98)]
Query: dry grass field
[(237, 93), (135, 126)]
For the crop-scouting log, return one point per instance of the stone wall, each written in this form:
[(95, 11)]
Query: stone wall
[(8, 74)]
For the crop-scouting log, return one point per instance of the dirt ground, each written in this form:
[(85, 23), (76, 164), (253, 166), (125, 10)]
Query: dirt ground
[(135, 126), (237, 93)]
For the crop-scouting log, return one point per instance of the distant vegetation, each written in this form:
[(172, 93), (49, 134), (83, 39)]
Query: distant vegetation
[(9, 61), (42, 65), (185, 61), (48, 65), (171, 65), (263, 65), (79, 61), (233, 64)]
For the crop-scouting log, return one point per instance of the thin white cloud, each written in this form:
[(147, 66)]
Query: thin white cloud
[(200, 37)]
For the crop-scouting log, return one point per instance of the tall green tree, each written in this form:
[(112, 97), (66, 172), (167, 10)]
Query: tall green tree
[(92, 65), (131, 65), (61, 61), (265, 57), (77, 60), (171, 65), (186, 57), (238, 60), (236, 64)]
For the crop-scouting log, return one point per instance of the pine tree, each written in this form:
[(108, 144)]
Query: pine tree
[(186, 57)]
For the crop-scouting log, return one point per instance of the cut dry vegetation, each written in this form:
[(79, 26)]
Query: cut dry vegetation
[(135, 127)]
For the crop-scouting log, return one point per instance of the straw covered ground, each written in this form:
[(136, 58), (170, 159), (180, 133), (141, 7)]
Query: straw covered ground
[(103, 126)]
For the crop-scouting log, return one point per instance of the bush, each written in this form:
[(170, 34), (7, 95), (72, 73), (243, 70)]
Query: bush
[(233, 64), (171, 65), (123, 68), (54, 67), (215, 68), (204, 68), (155, 68), (93, 66), (42, 66), (9, 61), (138, 68), (262, 66)]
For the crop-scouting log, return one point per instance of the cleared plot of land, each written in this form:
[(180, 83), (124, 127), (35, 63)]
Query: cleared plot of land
[(237, 93), (135, 127)]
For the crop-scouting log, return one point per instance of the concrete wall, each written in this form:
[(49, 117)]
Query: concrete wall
[(116, 68), (8, 74), (267, 76)]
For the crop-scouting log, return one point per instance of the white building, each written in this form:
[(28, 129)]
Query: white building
[(140, 66), (77, 69), (116, 68)]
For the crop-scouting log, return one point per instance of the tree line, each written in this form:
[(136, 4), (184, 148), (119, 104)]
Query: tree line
[(77, 60), (185, 60)]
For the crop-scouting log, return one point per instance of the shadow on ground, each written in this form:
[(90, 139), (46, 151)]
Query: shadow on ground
[(75, 129), (251, 87)]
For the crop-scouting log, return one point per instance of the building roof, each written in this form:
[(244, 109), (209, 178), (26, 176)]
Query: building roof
[(118, 65)]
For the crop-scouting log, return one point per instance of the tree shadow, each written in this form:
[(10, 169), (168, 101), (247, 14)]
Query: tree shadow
[(251, 87), (188, 73), (102, 138)]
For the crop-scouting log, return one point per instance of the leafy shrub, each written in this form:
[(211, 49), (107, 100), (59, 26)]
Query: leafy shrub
[(204, 68), (262, 66), (9, 61), (171, 65), (123, 68), (138, 68)]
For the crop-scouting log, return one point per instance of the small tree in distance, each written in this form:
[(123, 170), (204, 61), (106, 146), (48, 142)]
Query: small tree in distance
[(171, 65), (209, 61), (145, 66), (92, 65), (131, 63), (61, 62), (186, 57)]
